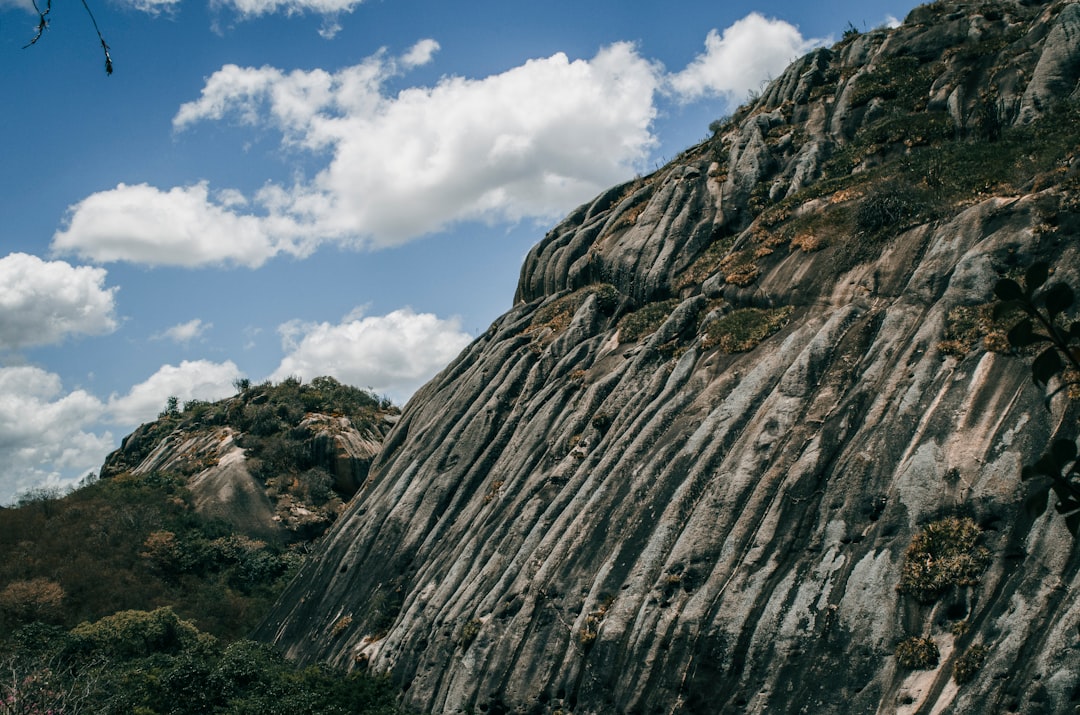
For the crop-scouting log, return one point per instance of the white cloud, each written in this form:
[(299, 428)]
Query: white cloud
[(154, 7), (421, 53), (192, 379), (749, 52), (254, 8), (392, 354), (330, 27), (45, 437), (531, 142), (179, 227), (43, 302), (185, 332)]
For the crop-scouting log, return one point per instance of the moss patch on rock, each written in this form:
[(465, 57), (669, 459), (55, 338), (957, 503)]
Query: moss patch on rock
[(645, 320), (742, 330)]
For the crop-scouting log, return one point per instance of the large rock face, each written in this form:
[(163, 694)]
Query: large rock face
[(683, 473)]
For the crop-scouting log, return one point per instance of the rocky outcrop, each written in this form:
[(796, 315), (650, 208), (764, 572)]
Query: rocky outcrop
[(684, 472), (218, 471)]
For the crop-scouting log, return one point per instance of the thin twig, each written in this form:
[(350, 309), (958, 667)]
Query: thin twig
[(43, 22), (104, 45)]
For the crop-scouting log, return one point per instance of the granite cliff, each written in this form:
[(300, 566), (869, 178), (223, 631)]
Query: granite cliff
[(749, 439)]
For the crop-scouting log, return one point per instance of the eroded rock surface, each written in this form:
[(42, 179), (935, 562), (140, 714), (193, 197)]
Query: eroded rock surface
[(612, 501)]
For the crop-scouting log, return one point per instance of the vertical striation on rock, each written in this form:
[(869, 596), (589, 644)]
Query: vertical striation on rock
[(683, 472)]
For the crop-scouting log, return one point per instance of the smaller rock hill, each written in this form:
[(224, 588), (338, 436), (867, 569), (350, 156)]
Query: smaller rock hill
[(276, 461)]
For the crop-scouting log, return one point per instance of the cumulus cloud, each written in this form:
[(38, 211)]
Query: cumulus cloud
[(392, 354), (736, 62), (191, 380), (185, 332), (43, 302), (531, 142), (183, 226), (45, 435)]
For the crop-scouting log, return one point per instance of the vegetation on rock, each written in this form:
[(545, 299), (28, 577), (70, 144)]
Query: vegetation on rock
[(743, 329), (945, 554), (917, 654)]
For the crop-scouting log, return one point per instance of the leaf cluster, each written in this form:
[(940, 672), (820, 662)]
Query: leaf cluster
[(1058, 469)]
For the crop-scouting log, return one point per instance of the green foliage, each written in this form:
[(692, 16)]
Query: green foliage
[(645, 320), (1045, 321), (969, 663), (917, 654), (743, 329), (136, 634), (968, 326), (172, 409), (140, 545), (154, 663), (942, 556), (707, 263)]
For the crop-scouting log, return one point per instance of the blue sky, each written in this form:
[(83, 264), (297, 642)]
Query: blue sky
[(267, 188)]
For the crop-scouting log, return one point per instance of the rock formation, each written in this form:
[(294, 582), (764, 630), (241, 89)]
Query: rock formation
[(749, 439), (261, 463)]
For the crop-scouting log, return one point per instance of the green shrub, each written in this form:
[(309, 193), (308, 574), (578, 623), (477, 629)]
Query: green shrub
[(902, 79), (942, 556), (147, 663), (917, 654), (469, 631), (137, 634), (969, 663)]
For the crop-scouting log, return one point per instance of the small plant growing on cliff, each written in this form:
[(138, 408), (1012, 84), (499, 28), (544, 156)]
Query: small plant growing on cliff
[(340, 625), (917, 654), (588, 632), (469, 631), (943, 555), (969, 663)]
